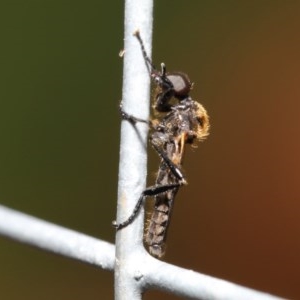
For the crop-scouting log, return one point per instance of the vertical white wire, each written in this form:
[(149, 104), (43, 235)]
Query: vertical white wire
[(133, 156)]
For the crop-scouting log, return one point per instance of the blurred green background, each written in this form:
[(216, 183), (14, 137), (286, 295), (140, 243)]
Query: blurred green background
[(60, 86)]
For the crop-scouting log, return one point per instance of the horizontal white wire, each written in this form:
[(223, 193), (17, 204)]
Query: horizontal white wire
[(36, 232), (193, 285), (144, 269)]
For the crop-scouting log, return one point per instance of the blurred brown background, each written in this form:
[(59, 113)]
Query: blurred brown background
[(60, 85)]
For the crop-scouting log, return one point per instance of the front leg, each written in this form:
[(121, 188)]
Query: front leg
[(132, 119)]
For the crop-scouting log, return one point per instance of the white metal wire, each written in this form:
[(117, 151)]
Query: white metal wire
[(45, 235), (133, 154), (142, 269)]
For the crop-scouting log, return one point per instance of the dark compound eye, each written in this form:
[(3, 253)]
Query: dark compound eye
[(181, 84)]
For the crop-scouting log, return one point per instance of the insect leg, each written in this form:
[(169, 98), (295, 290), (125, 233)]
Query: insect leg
[(132, 119), (150, 191), (151, 68), (155, 142)]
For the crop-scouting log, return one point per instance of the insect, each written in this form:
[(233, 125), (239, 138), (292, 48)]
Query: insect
[(181, 121)]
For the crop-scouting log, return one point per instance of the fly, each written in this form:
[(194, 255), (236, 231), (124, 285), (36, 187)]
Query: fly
[(181, 121)]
